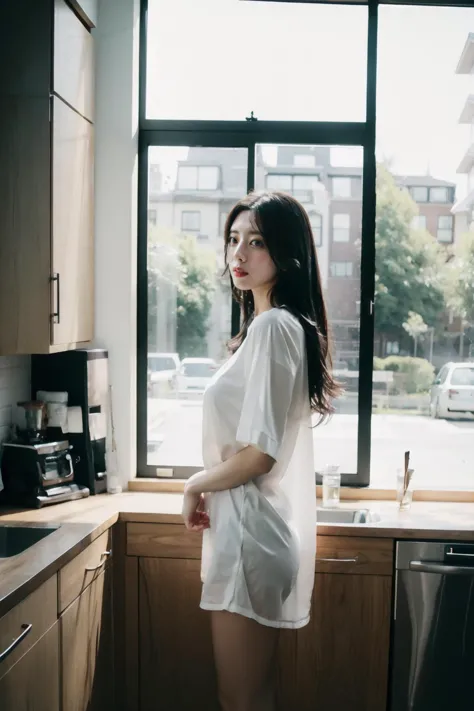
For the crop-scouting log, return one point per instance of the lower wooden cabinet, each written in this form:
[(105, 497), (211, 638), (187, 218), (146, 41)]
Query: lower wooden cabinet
[(175, 648), (32, 684), (87, 657), (338, 661)]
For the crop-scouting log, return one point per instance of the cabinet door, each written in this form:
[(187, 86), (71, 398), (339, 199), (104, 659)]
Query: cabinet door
[(175, 647), (72, 227), (32, 684), (87, 662), (340, 659), (73, 60)]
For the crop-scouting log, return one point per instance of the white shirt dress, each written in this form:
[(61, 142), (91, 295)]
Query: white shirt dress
[(258, 556)]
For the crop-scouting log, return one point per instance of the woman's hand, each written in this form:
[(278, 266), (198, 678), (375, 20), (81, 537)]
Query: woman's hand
[(195, 518)]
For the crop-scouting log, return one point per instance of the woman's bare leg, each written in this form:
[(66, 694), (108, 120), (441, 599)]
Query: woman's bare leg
[(244, 653)]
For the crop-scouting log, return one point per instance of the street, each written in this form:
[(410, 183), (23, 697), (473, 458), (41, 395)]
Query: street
[(442, 452)]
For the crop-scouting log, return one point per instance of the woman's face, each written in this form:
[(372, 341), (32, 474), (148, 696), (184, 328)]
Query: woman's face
[(250, 263)]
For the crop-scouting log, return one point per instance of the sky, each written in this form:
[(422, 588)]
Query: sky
[(221, 59)]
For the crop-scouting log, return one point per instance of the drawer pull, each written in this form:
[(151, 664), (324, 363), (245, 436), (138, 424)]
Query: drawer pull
[(26, 630), (103, 557), (337, 560)]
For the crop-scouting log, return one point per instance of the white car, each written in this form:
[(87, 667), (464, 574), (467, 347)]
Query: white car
[(162, 373), (452, 393), (195, 374)]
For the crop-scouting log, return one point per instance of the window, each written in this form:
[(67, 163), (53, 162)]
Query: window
[(341, 187), (445, 228), (419, 194), (193, 69), (190, 221), (439, 195), (341, 269), (416, 148), (412, 300), (152, 216), (418, 222), (341, 224), (279, 182), (317, 227), (198, 177), (463, 376), (304, 161)]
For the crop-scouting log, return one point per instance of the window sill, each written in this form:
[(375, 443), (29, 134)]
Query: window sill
[(348, 493)]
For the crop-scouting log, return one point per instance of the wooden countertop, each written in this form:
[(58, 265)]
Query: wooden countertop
[(84, 520)]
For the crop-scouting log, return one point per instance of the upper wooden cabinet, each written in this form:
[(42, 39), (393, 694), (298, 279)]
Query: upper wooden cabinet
[(73, 61), (46, 178), (87, 10)]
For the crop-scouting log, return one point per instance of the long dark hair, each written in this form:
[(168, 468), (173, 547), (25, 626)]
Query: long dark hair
[(285, 227)]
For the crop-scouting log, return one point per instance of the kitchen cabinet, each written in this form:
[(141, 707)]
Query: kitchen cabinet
[(176, 660), (32, 684), (29, 672), (339, 660), (87, 659), (46, 181)]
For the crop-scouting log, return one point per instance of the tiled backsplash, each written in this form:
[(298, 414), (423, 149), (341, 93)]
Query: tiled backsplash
[(14, 386)]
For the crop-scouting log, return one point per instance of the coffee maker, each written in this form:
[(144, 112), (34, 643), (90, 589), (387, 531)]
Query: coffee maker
[(83, 374), (36, 471)]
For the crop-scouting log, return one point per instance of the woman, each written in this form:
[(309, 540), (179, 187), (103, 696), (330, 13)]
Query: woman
[(255, 500)]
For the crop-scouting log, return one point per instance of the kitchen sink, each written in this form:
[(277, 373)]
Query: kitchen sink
[(346, 516), (16, 539)]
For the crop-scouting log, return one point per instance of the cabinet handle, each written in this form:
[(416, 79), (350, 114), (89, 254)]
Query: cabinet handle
[(337, 560), (56, 314), (26, 630), (103, 556)]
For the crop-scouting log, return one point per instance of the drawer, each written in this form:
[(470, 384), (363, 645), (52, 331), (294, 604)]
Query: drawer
[(347, 554), (83, 569), (162, 540), (38, 610)]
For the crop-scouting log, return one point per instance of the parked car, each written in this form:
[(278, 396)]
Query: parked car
[(452, 393), (162, 373), (195, 374)]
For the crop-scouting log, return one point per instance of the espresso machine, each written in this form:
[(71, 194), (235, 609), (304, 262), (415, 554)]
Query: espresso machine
[(82, 374), (37, 471)]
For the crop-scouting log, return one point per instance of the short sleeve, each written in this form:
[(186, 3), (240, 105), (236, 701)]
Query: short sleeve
[(273, 355)]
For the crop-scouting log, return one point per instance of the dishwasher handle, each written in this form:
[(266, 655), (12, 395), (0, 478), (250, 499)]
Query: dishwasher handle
[(419, 566)]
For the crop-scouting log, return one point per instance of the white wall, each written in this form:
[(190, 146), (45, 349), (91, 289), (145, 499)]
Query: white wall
[(116, 137), (14, 387)]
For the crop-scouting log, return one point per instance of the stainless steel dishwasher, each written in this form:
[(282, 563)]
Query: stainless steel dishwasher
[(433, 636)]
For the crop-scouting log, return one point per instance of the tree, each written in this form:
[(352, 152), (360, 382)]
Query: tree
[(194, 298), (415, 326), (180, 291), (409, 264)]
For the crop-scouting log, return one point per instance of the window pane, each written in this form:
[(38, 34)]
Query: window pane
[(420, 302), (208, 178), (198, 52), (187, 178), (189, 302), (341, 227), (336, 441), (191, 221), (438, 195), (419, 194)]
